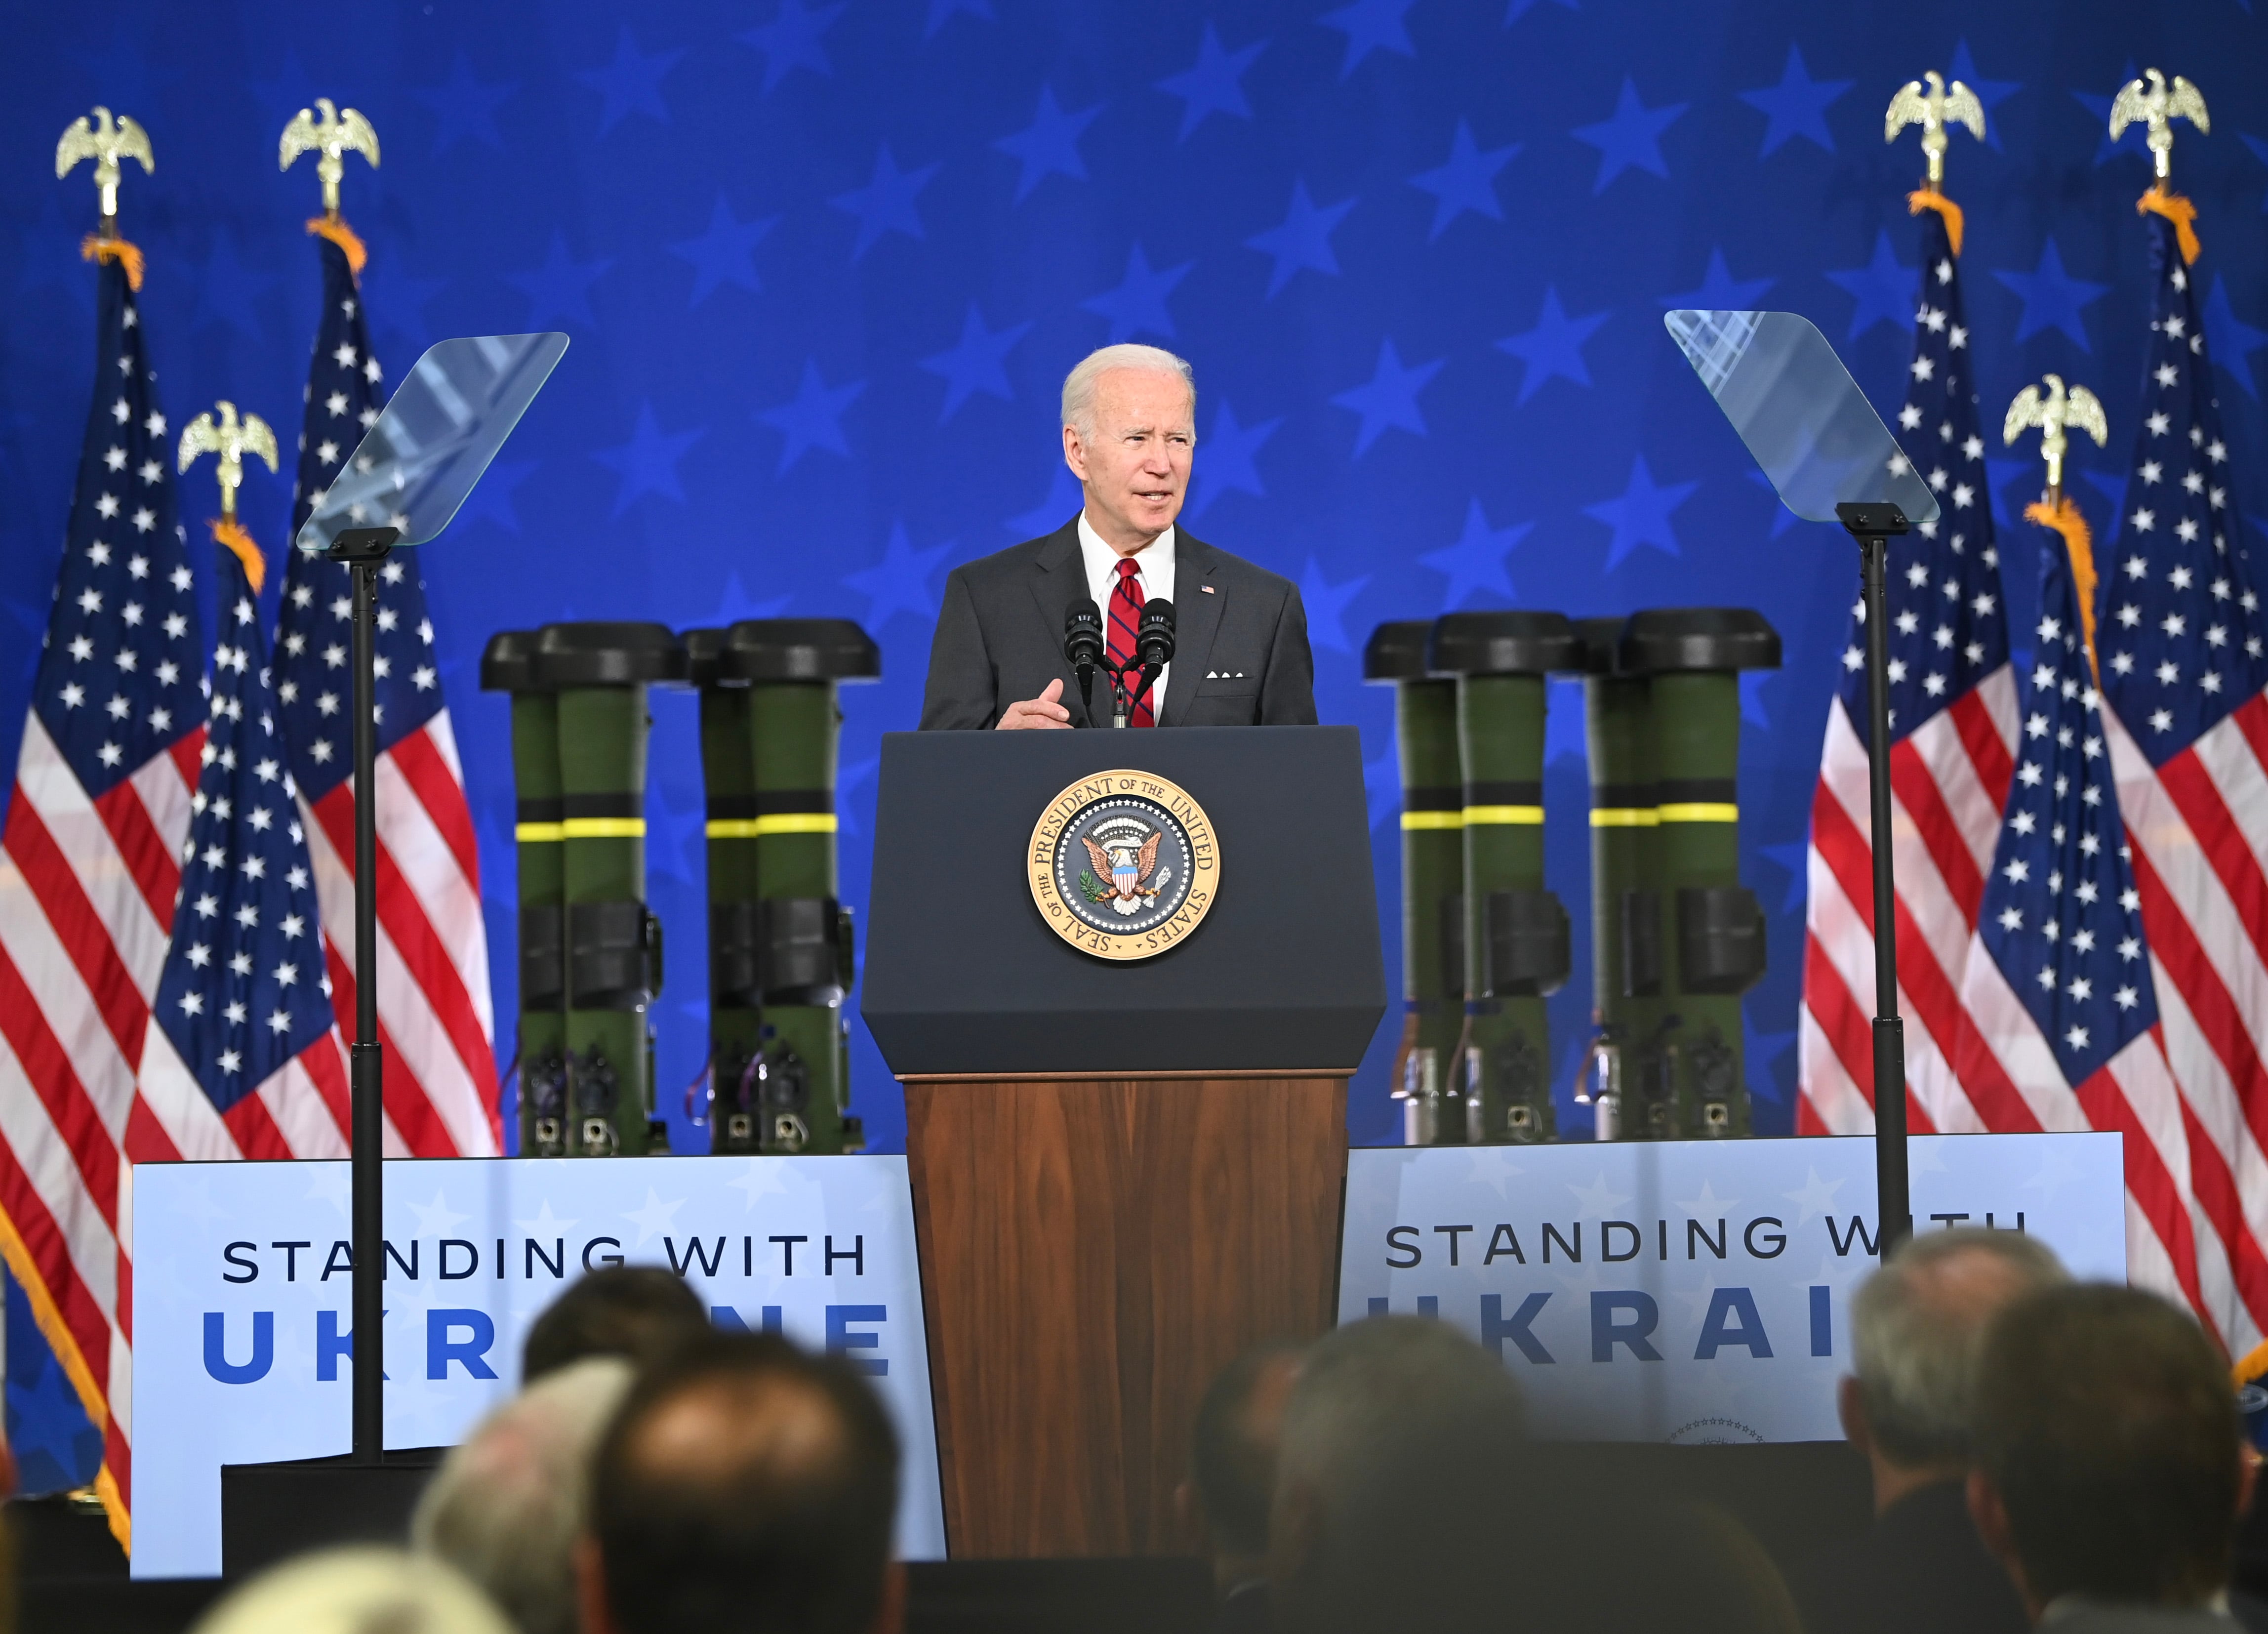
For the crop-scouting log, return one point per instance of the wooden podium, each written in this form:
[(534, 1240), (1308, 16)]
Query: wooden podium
[(1124, 1173)]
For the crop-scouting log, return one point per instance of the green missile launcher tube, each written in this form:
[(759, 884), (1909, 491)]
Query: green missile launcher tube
[(507, 664), (1625, 898), (1432, 873), (1516, 931), (600, 672), (1711, 927), (728, 774), (798, 944)]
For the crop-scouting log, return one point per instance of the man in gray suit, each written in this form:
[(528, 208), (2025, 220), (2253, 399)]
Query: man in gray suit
[(1240, 655)]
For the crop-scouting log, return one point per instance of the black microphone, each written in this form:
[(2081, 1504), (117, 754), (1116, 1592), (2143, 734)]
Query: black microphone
[(1153, 637), (1083, 646)]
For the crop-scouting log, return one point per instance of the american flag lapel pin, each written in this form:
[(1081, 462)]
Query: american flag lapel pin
[(1206, 588)]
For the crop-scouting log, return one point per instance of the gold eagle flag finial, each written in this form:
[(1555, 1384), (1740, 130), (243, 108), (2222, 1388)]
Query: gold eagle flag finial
[(2052, 412), (1934, 110), (2157, 107), (338, 133), (106, 141), (230, 439)]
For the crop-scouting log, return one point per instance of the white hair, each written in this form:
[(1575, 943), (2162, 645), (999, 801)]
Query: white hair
[(506, 1506), (363, 1590), (1918, 1326), (1374, 1387), (1078, 384)]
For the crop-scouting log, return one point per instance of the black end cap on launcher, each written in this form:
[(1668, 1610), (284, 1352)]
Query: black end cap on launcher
[(704, 657), (1396, 652), (799, 649), (609, 654), (508, 662), (1504, 643), (1668, 639)]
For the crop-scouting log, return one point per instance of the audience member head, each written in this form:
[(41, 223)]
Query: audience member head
[(1364, 1392), (1917, 1326), (1233, 1459), (2109, 1462), (1472, 1529), (746, 1485), (638, 1311), (507, 1506), (355, 1591)]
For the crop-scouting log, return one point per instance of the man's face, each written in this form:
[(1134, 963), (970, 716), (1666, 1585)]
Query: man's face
[(1136, 465)]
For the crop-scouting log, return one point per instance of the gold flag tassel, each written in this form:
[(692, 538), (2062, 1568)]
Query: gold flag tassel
[(95, 248), (2162, 201), (335, 229), (1927, 197), (226, 530), (2059, 513)]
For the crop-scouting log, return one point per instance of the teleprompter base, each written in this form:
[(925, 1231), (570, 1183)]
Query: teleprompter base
[(1093, 1252), (272, 1512)]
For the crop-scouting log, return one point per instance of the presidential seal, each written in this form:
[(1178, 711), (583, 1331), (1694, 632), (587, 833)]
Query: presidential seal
[(1124, 865)]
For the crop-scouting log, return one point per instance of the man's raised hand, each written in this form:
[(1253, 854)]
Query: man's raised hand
[(1042, 713)]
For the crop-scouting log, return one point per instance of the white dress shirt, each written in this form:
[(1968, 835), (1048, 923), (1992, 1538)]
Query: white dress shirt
[(1154, 579)]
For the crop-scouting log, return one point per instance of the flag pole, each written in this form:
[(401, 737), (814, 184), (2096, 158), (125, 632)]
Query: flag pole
[(364, 551), (1874, 525)]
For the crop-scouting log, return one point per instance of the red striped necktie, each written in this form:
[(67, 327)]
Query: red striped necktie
[(1125, 614)]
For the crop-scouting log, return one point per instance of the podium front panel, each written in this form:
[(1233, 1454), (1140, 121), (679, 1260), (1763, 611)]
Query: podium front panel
[(963, 974)]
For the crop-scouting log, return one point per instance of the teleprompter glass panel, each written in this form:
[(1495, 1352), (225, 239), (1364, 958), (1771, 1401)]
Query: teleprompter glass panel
[(415, 467), (1800, 412)]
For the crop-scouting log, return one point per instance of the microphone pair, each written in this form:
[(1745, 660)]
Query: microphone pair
[(1086, 651)]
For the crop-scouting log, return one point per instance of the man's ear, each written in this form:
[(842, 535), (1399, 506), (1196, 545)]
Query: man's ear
[(890, 1616), (1074, 454), (1851, 1410), (590, 1587)]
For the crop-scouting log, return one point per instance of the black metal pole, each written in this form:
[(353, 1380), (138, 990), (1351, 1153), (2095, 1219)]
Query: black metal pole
[(363, 550), (1873, 526)]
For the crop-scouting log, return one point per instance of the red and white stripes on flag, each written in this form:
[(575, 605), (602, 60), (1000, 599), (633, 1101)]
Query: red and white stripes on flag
[(434, 1013), (434, 1020), (1952, 729), (1949, 781), (88, 871), (86, 887)]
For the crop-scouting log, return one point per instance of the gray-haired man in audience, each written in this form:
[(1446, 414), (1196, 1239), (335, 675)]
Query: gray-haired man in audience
[(508, 1505), (1917, 1328), (1364, 1393)]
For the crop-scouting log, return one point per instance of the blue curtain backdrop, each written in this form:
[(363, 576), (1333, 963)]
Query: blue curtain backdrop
[(824, 267)]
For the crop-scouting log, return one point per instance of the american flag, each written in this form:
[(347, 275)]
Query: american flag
[(241, 1058), (434, 1014), (89, 872), (2184, 663), (1952, 722), (2060, 1018)]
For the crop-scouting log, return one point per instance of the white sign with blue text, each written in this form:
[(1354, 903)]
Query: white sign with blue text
[(242, 1314), (1690, 1291)]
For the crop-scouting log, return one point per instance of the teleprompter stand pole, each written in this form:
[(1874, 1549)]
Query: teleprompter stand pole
[(364, 551), (1873, 525)]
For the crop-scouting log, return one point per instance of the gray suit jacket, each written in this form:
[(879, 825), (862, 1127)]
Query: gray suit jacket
[(1240, 655)]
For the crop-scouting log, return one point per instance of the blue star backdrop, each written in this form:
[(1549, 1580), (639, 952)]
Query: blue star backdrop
[(825, 265)]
